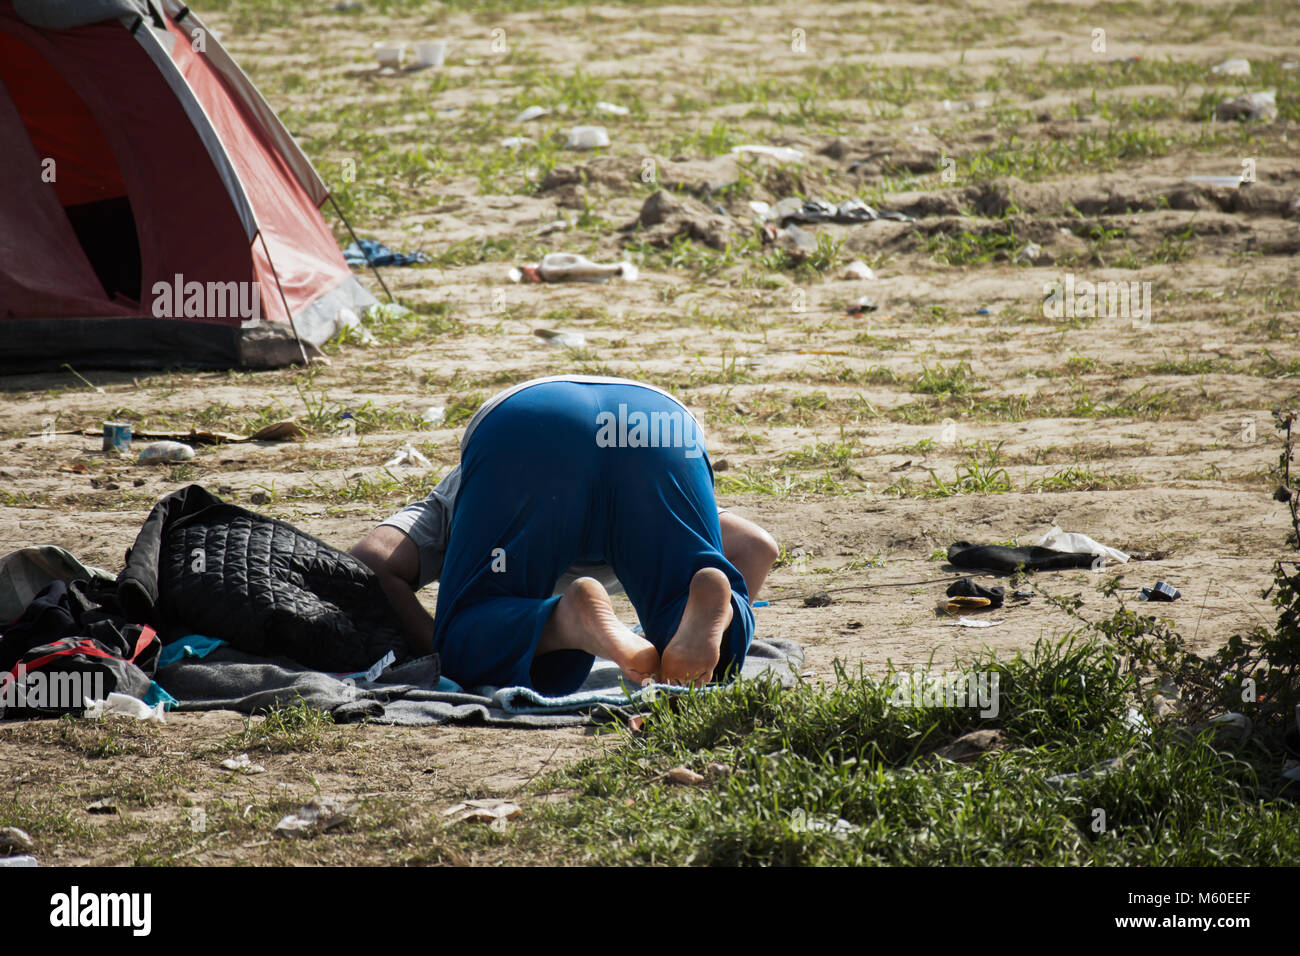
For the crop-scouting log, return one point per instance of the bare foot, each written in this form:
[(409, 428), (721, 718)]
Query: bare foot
[(692, 655), (584, 620)]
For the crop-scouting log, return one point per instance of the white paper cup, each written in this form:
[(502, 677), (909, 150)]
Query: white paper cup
[(390, 54), (430, 53)]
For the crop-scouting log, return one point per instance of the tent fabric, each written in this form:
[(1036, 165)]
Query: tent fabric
[(137, 162), (66, 14)]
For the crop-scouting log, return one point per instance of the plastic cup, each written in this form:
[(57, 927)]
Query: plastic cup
[(430, 53), (390, 54)]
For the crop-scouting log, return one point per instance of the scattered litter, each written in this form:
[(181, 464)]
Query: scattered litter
[(864, 304), (14, 841), (1228, 182), (555, 225), (761, 209), (434, 416), (430, 53), (164, 452), (389, 55), (685, 777), (123, 705), (562, 340), (1249, 106), (612, 109), (570, 267), (18, 861), (813, 211), (818, 599), (277, 431), (587, 137), (1029, 253), (964, 589), (515, 142), (531, 113), (1023, 595), (1234, 67), (857, 269), (103, 807), (74, 468), (117, 437), (1075, 543), (320, 814), (972, 622), (762, 604), (1102, 769), (373, 252), (493, 812), (964, 602), (1160, 592), (1231, 730), (797, 243), (983, 310), (969, 746), (782, 154), (409, 456), (1135, 721), (838, 828), (242, 764)]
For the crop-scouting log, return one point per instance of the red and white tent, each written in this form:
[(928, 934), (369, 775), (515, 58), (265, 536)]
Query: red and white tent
[(153, 209)]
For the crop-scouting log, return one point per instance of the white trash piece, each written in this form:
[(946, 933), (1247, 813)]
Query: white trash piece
[(857, 269), (434, 416), (562, 340), (409, 456), (571, 267), (390, 55), (1234, 67), (164, 453), (1075, 543), (784, 154), (430, 53), (123, 705), (1249, 106), (531, 113), (243, 764), (587, 137), (611, 109), (24, 860), (516, 142)]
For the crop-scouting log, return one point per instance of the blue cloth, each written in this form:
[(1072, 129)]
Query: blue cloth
[(156, 694), (380, 255), (191, 645), (542, 490), (525, 700)]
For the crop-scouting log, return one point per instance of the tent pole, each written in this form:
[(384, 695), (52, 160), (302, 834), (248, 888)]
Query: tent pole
[(353, 234), (287, 311)]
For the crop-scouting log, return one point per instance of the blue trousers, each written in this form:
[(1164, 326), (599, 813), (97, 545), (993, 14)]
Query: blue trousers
[(566, 473)]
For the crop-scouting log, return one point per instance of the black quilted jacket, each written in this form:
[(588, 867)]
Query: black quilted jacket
[(201, 566)]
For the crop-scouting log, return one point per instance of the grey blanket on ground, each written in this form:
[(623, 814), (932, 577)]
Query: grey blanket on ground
[(228, 679)]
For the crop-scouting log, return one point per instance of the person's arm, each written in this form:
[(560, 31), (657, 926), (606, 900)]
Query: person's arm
[(392, 555), (749, 548)]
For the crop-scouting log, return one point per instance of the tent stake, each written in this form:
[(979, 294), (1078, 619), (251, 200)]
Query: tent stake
[(353, 234)]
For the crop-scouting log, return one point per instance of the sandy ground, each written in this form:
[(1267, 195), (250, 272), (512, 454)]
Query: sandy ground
[(825, 436)]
